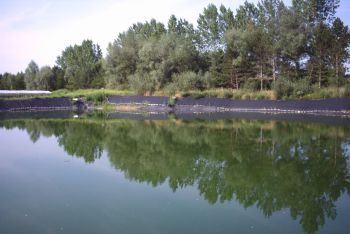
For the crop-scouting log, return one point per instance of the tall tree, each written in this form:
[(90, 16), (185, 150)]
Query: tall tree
[(45, 79), (321, 51), (172, 24), (340, 47), (293, 43), (246, 14), (58, 77), (259, 50), (122, 59), (82, 65), (149, 29), (30, 75), (270, 12), (209, 30), (316, 11), (237, 57)]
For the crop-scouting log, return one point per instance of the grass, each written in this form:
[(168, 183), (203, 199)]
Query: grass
[(329, 92), (231, 94), (242, 94), (88, 92), (98, 96), (80, 93)]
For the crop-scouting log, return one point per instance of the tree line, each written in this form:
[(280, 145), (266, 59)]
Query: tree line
[(261, 46)]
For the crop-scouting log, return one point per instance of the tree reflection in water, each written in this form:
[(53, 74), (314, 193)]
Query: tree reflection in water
[(273, 165)]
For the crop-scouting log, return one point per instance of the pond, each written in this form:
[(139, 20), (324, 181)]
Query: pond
[(97, 174)]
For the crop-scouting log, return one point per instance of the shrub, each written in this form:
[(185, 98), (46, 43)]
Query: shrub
[(251, 85), (208, 81), (188, 81), (211, 93), (144, 83), (237, 94), (198, 95), (260, 96), (170, 89), (96, 98), (301, 88), (172, 101), (282, 88), (347, 91), (228, 94)]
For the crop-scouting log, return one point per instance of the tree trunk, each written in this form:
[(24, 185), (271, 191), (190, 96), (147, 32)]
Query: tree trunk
[(297, 68), (236, 78), (273, 69), (320, 76), (261, 77), (311, 71), (231, 76), (337, 70)]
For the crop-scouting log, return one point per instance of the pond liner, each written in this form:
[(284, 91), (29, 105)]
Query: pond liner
[(211, 104), (325, 105), (36, 104), (38, 114)]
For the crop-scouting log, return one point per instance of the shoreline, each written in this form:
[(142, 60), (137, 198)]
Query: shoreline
[(159, 104)]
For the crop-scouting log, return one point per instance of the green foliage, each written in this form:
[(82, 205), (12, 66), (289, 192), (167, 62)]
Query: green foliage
[(30, 75), (315, 11), (144, 83), (59, 81), (282, 88), (81, 64), (301, 88), (346, 91), (251, 85), (172, 101), (188, 81), (45, 79), (89, 92), (12, 82), (97, 98)]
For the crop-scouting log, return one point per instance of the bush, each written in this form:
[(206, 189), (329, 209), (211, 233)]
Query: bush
[(172, 101), (228, 94), (170, 89), (96, 98), (144, 83), (188, 81), (283, 88), (301, 88), (251, 85), (347, 91), (208, 81), (211, 93), (260, 96)]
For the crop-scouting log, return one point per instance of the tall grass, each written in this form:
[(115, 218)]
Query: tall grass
[(231, 94), (98, 96), (89, 92)]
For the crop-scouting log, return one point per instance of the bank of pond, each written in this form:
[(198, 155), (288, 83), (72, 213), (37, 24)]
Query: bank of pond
[(184, 104)]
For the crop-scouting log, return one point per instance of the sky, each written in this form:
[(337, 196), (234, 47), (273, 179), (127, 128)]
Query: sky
[(40, 30)]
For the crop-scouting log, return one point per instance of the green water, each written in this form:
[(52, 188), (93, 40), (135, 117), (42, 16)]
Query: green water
[(173, 176)]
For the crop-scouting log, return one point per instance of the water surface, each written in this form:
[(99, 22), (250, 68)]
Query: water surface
[(97, 175)]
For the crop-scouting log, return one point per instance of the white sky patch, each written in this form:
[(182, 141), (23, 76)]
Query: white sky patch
[(40, 30)]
